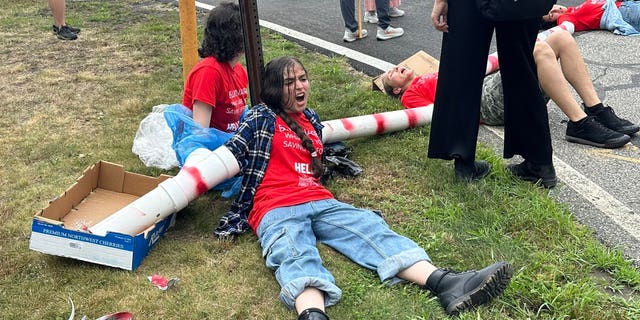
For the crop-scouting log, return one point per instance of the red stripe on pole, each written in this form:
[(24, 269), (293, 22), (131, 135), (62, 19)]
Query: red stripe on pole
[(201, 186), (412, 116), (347, 124), (380, 123)]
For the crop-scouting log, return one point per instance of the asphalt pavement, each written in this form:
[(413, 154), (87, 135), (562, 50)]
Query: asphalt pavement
[(599, 186)]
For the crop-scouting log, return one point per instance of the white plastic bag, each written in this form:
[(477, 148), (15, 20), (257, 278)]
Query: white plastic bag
[(153, 140)]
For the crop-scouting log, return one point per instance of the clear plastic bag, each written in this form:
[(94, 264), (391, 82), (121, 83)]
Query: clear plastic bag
[(153, 140)]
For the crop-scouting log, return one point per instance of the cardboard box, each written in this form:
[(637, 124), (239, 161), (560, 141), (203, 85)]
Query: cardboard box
[(421, 62), (103, 189)]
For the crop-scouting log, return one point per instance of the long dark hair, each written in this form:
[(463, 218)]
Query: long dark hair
[(223, 37), (272, 93)]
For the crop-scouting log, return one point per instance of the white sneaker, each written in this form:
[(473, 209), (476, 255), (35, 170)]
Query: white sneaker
[(388, 33), (371, 17), (395, 12), (353, 36)]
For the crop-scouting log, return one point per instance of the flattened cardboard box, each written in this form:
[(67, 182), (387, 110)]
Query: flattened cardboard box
[(103, 189), (420, 62)]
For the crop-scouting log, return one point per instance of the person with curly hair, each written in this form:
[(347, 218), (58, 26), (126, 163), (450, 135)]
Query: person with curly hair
[(216, 88)]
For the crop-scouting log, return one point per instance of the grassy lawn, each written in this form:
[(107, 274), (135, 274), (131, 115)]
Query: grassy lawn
[(68, 104)]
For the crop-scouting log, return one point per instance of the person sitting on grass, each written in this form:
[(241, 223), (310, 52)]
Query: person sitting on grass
[(620, 17), (216, 89), (594, 124), (279, 150)]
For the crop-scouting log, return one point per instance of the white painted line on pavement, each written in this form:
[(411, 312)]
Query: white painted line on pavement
[(600, 198), (205, 6), (351, 54)]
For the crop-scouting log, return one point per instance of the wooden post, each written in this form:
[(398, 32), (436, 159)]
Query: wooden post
[(359, 11), (188, 36)]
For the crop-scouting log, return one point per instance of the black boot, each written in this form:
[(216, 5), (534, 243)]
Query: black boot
[(543, 174), (460, 291), (469, 171), (313, 314)]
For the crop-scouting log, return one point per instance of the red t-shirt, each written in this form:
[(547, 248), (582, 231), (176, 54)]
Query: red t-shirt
[(421, 92), (222, 86), (586, 16), (288, 179)]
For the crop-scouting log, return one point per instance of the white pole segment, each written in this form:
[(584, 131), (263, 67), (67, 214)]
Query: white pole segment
[(373, 124), (201, 173)]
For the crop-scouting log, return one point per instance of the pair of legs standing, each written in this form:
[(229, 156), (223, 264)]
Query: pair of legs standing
[(371, 16), (60, 27), (456, 115), (384, 31)]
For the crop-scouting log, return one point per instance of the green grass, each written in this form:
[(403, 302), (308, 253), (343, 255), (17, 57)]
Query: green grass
[(67, 105)]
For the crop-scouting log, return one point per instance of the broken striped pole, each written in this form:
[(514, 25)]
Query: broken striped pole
[(204, 169)]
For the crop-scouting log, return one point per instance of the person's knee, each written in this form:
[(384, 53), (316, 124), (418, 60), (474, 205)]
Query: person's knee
[(543, 52), (560, 40)]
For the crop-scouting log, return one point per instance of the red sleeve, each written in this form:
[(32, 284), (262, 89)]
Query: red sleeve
[(204, 85)]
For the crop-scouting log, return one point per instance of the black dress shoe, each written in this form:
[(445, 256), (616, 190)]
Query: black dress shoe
[(461, 291), (468, 171), (313, 314), (543, 174)]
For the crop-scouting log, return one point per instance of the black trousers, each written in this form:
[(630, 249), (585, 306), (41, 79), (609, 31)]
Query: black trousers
[(456, 114)]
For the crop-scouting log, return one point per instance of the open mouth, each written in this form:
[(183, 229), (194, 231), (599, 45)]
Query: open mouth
[(300, 97)]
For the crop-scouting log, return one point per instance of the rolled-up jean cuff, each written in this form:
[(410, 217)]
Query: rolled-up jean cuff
[(391, 266), (293, 289)]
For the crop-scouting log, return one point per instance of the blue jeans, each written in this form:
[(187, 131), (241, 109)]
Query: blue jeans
[(288, 237), (630, 11), (348, 10)]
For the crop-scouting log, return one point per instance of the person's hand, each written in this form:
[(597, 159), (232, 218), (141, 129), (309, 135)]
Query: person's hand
[(439, 15)]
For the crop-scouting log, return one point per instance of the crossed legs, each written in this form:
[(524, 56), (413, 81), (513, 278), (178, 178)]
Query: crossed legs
[(555, 78)]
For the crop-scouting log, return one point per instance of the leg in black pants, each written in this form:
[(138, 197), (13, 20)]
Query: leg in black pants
[(525, 116), (526, 122), (456, 114)]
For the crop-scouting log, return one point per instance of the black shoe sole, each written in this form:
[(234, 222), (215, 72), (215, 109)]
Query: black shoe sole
[(65, 38), (492, 286), (611, 144), (629, 130)]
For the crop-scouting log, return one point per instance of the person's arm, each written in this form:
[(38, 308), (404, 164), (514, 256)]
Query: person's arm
[(202, 113)]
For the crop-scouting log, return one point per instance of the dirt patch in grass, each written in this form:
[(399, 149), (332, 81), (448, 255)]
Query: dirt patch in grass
[(62, 99)]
